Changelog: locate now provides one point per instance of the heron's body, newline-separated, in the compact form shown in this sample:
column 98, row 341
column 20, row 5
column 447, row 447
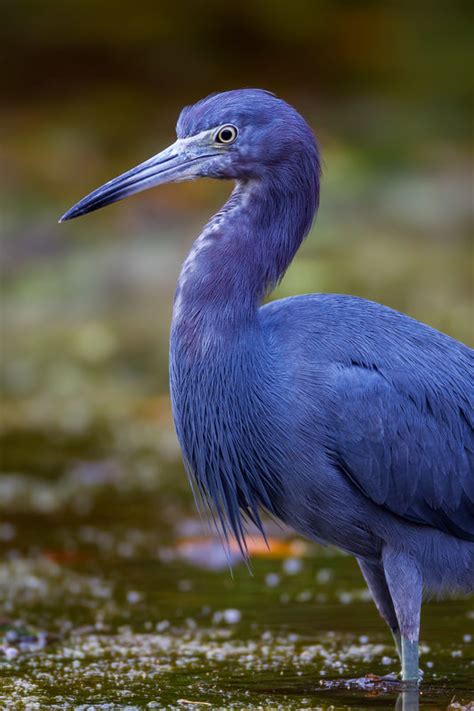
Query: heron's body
column 347, row 420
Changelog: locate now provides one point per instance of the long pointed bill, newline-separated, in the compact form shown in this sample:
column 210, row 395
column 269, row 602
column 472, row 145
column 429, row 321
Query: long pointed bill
column 181, row 161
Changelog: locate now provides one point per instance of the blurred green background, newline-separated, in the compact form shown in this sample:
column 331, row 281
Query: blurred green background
column 91, row 88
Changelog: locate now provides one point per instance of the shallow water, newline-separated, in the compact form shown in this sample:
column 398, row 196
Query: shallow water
column 114, row 595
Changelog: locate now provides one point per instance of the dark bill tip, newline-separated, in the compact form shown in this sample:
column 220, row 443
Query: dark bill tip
column 69, row 215
column 113, row 191
column 168, row 166
column 85, row 206
column 163, row 167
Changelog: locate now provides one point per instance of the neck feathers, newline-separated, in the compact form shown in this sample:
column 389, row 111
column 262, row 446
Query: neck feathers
column 219, row 359
column 246, row 248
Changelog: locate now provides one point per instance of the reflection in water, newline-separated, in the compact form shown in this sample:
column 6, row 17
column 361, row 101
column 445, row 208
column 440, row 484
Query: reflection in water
column 408, row 700
column 407, row 696
column 110, row 590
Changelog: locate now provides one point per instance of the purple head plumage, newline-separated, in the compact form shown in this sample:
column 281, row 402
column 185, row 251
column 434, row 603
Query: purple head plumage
column 239, row 135
column 264, row 132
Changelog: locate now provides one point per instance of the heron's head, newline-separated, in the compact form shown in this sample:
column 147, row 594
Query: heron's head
column 242, row 134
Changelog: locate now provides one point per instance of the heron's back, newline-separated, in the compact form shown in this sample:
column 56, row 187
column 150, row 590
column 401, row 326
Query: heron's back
column 391, row 400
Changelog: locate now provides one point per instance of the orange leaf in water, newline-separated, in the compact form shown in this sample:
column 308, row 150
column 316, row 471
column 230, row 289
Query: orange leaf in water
column 65, row 557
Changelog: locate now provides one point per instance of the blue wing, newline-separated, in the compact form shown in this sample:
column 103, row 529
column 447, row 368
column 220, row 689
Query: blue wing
column 412, row 455
column 395, row 398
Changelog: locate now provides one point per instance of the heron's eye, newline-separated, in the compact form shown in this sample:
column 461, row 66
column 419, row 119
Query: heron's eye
column 226, row 134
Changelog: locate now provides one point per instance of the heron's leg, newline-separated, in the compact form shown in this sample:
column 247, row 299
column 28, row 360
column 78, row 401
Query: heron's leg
column 408, row 700
column 405, row 584
column 397, row 638
column 375, row 578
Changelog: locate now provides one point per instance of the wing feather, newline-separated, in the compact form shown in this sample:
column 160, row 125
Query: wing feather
column 413, row 459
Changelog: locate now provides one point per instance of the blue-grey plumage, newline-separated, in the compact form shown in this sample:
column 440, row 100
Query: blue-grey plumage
column 349, row 421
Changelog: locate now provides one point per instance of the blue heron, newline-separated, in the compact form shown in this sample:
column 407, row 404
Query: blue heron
column 349, row 421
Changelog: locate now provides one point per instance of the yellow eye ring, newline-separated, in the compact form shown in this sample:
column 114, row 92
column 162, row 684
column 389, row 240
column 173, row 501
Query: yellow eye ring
column 226, row 135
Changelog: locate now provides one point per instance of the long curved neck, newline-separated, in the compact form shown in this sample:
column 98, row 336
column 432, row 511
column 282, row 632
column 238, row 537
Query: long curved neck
column 219, row 362
column 244, row 250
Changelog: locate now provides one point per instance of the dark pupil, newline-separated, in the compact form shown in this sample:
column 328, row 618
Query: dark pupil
column 226, row 135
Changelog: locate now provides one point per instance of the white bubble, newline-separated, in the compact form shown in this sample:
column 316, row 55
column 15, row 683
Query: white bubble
column 231, row 616
column 272, row 580
column 323, row 576
column 292, row 566
column 133, row 597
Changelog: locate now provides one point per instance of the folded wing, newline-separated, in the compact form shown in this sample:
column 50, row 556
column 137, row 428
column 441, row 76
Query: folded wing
column 413, row 455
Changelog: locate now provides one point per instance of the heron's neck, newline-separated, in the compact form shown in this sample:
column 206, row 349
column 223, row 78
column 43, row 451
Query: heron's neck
column 244, row 251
